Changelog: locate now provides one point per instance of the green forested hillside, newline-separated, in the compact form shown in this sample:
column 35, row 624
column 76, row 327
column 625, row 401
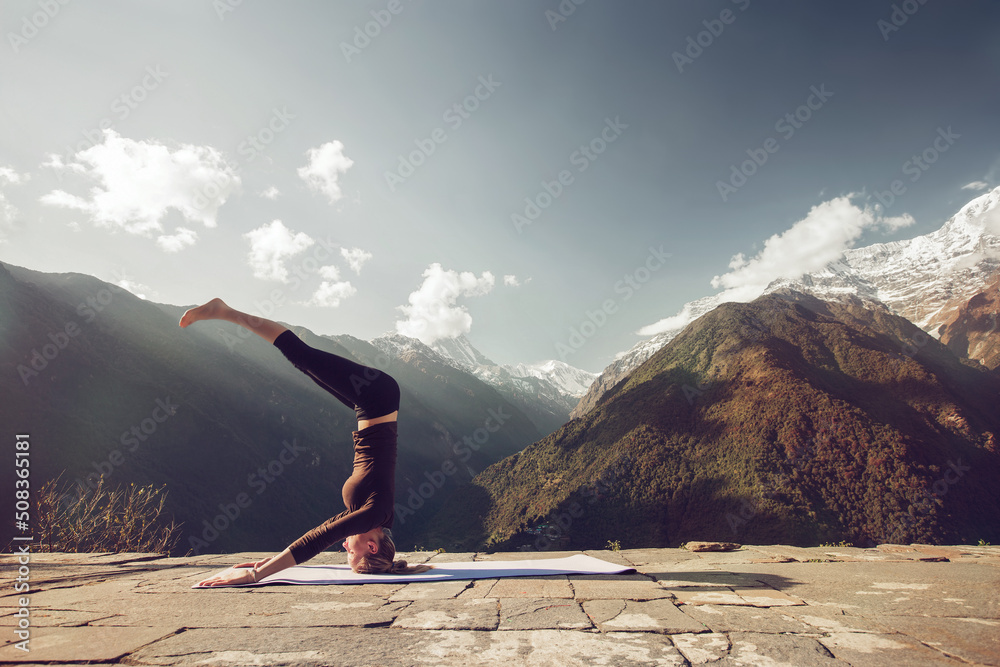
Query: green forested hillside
column 784, row 420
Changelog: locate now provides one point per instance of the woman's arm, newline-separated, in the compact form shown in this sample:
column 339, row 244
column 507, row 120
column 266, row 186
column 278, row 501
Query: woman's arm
column 330, row 532
column 248, row 573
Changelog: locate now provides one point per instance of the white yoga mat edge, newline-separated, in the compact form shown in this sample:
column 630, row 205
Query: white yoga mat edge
column 323, row 575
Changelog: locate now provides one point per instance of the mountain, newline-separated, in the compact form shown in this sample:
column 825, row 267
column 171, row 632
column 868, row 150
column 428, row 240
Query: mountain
column 786, row 420
column 619, row 369
column 545, row 392
column 919, row 279
column 461, row 351
column 251, row 451
column 972, row 331
column 568, row 379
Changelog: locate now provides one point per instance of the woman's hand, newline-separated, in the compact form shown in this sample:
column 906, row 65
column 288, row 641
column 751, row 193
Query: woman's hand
column 239, row 574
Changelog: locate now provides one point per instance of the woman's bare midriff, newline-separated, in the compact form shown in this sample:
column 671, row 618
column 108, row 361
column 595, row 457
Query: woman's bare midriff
column 365, row 423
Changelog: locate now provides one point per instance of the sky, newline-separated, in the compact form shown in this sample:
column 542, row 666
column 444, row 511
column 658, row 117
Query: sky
column 553, row 180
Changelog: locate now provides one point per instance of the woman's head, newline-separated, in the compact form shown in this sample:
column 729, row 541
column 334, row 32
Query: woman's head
column 377, row 555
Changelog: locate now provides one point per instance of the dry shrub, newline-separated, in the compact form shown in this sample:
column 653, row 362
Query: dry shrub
column 121, row 520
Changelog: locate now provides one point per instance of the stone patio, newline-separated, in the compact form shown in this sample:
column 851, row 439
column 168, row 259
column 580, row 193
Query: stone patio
column 760, row 605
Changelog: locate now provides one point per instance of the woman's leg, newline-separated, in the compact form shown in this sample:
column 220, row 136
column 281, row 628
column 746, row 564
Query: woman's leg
column 370, row 392
column 216, row 309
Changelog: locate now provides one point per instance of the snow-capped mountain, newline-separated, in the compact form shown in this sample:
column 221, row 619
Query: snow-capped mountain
column 919, row 279
column 396, row 345
column 565, row 379
column 461, row 351
column 569, row 379
column 547, row 391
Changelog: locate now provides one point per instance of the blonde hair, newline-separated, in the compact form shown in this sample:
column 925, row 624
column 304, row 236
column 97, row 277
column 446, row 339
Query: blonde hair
column 383, row 563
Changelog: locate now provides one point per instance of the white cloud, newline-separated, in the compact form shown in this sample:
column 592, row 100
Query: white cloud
column 332, row 290
column 976, row 185
column 270, row 246
column 140, row 181
column 513, row 281
column 326, row 164
column 808, row 245
column 180, row 239
column 433, row 312
column 992, row 176
column 329, row 295
column 9, row 176
column 356, row 257
column 135, row 288
column 270, row 193
column 672, row 323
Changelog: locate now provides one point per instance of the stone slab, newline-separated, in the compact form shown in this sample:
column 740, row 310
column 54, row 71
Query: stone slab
column 851, row 555
column 254, row 610
column 767, row 597
column 437, row 614
column 555, row 586
column 695, row 564
column 52, row 617
column 92, row 596
column 694, row 595
column 912, row 552
column 727, row 618
column 542, row 614
column 875, row 650
column 707, row 580
column 874, row 588
column 347, row 611
column 833, row 620
column 646, row 616
column 723, row 558
column 615, row 557
column 615, row 586
column 639, row 557
column 969, row 639
column 479, row 588
column 751, row 648
column 393, row 647
column 431, row 590
column 799, row 554
column 712, row 546
column 94, row 644
column 703, row 648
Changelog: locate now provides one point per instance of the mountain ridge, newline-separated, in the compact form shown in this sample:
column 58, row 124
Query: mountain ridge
column 547, row 392
column 788, row 419
column 916, row 278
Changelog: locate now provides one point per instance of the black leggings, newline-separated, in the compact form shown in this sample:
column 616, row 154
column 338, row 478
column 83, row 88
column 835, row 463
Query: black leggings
column 371, row 392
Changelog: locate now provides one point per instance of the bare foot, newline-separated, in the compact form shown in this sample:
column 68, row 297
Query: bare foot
column 209, row 311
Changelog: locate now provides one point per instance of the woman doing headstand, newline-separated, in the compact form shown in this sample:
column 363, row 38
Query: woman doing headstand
column 369, row 491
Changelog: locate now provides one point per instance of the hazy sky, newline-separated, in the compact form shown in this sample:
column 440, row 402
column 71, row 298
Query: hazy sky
column 511, row 170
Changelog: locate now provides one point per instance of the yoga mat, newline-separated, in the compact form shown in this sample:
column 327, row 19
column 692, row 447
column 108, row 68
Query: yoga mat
column 484, row 569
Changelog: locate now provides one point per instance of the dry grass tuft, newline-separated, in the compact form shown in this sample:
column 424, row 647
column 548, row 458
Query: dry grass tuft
column 122, row 520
